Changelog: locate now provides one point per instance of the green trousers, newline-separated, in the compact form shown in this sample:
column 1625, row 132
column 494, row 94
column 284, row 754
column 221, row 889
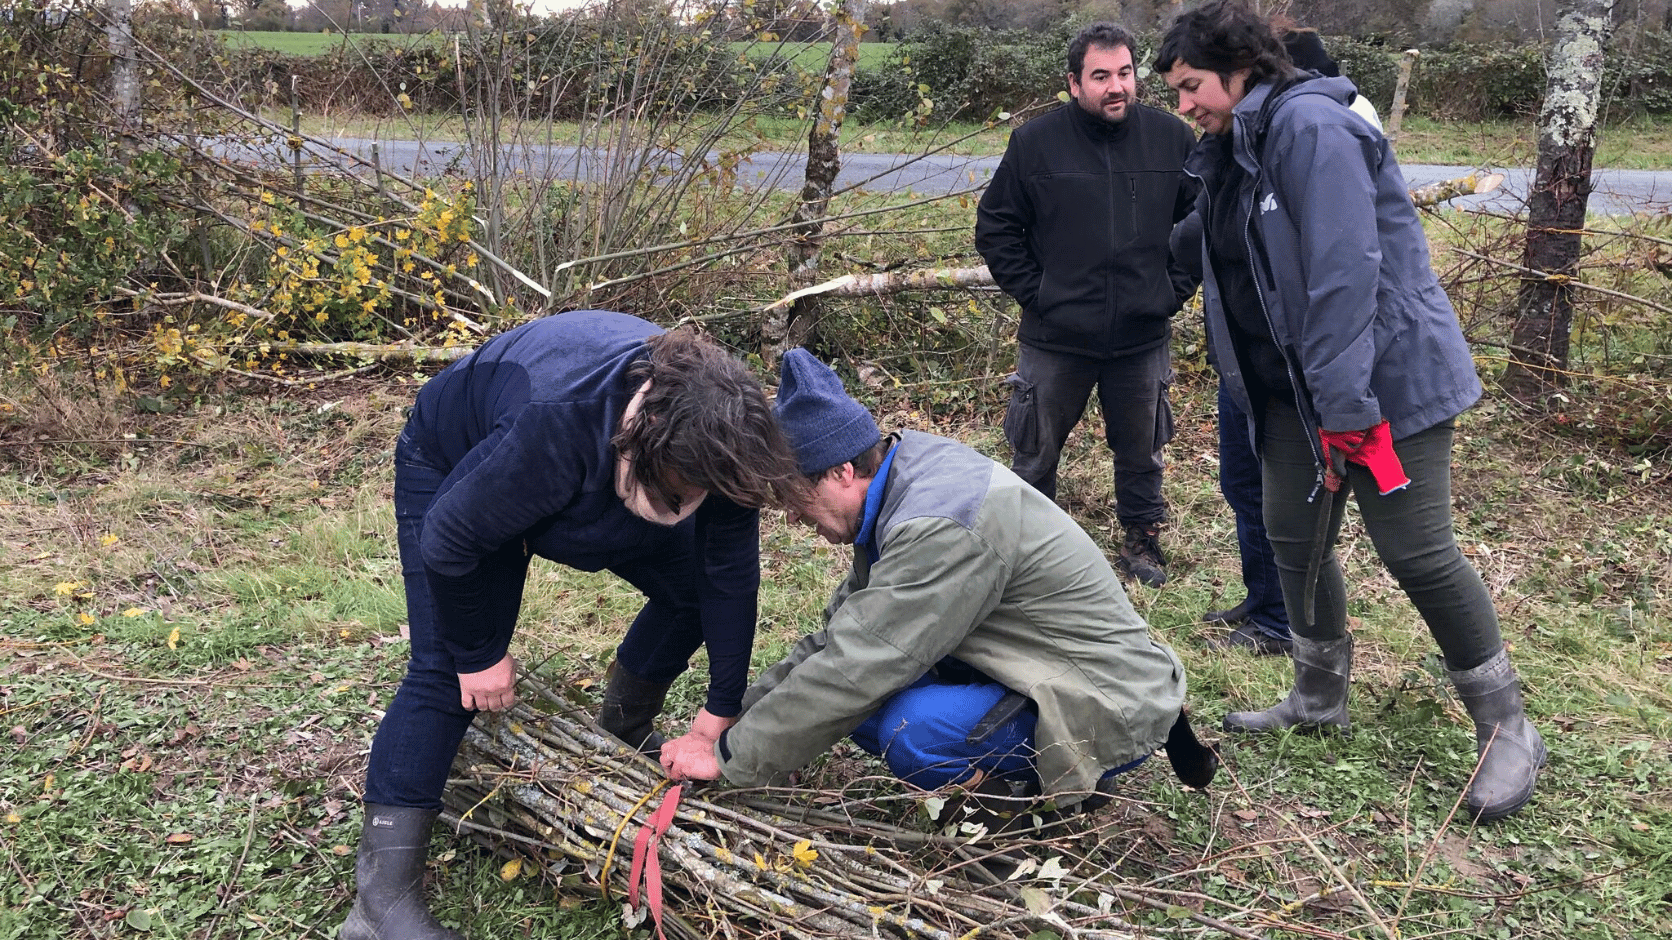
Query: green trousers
column 1410, row 528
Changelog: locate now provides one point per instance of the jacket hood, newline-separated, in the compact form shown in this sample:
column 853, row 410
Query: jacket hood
column 1253, row 114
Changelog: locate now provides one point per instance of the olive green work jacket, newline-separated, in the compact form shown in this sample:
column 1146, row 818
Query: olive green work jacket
column 966, row 560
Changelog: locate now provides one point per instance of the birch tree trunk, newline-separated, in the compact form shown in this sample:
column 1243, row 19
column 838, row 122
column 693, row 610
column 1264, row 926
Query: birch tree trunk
column 795, row 325
column 1556, row 209
column 124, row 67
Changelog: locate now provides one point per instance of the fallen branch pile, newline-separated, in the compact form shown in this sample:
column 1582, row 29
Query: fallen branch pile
column 541, row 784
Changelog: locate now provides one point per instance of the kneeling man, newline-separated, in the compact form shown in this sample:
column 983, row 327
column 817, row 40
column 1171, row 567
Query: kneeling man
column 981, row 634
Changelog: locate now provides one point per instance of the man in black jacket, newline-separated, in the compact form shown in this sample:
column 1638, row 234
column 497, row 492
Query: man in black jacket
column 1075, row 226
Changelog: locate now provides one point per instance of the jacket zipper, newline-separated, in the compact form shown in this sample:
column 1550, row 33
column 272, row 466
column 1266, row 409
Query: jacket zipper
column 1110, row 315
column 1271, row 329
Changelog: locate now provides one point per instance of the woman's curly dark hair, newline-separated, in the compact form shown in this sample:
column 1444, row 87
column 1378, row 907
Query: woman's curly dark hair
column 1224, row 37
column 706, row 422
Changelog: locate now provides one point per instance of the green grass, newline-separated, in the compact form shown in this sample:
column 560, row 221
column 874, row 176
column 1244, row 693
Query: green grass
column 1643, row 143
column 196, row 636
column 315, row 43
column 812, row 56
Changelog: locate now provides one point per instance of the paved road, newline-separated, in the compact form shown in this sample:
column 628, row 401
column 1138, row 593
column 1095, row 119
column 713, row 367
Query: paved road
column 1617, row 191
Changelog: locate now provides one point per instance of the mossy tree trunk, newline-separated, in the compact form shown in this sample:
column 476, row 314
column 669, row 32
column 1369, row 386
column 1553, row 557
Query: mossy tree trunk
column 1560, row 194
column 796, row 325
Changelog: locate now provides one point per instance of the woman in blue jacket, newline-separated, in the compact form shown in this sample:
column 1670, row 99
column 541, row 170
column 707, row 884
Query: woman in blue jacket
column 1334, row 336
column 598, row 441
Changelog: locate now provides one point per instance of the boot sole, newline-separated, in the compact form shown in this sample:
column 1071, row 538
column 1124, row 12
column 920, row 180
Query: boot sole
column 1318, row 729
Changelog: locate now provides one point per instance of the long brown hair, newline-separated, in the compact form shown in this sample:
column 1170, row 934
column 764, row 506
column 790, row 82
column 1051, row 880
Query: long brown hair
column 705, row 421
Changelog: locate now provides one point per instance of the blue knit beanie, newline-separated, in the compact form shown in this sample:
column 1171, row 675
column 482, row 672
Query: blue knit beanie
column 824, row 426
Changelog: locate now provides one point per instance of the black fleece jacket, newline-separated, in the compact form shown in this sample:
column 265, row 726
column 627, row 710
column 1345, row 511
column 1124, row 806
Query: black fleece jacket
column 1075, row 227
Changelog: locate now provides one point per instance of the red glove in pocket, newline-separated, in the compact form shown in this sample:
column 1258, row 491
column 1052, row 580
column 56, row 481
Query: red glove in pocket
column 1344, row 443
column 1376, row 453
column 1372, row 449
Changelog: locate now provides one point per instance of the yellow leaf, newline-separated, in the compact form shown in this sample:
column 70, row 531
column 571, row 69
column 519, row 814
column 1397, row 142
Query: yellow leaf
column 511, row 870
column 66, row 588
column 179, row 838
column 760, row 861
column 804, row 853
column 133, row 612
column 174, row 638
column 46, row 785
column 85, row 618
column 108, row 539
column 13, row 818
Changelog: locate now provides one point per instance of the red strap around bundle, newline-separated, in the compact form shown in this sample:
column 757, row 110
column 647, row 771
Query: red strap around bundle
column 646, row 847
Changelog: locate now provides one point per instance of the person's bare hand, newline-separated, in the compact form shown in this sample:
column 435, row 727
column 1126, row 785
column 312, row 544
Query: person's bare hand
column 690, row 757
column 492, row 689
column 709, row 725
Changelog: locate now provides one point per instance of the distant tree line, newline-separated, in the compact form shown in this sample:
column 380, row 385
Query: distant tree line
column 1425, row 22
column 1402, row 22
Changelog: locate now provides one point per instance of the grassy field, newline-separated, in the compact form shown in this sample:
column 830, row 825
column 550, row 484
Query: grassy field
column 200, row 620
column 315, row 43
column 812, row 56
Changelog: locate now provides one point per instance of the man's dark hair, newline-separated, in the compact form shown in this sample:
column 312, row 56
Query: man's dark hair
column 865, row 463
column 1224, row 37
column 705, row 421
column 1101, row 35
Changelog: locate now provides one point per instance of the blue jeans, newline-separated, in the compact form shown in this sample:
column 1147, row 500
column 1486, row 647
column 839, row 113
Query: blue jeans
column 1239, row 480
column 420, row 734
column 923, row 730
column 1048, row 396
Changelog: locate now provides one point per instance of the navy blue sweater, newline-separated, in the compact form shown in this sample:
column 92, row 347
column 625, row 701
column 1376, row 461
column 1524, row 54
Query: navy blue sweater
column 523, row 426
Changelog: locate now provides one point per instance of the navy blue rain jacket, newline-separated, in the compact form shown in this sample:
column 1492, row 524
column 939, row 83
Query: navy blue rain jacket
column 525, row 424
column 1341, row 264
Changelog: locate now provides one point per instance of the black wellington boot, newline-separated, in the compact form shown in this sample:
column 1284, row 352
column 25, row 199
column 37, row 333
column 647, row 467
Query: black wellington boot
column 630, row 708
column 1318, row 700
column 1509, row 747
column 389, row 878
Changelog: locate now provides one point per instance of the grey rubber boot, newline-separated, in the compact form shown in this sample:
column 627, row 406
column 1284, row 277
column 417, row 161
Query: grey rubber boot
column 1510, row 748
column 630, row 708
column 1318, row 701
column 389, row 878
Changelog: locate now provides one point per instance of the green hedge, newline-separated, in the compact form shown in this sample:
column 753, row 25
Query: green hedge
column 560, row 69
column 971, row 73
column 564, row 68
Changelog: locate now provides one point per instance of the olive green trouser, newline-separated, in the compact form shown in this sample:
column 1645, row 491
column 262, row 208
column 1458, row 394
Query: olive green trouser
column 1410, row 528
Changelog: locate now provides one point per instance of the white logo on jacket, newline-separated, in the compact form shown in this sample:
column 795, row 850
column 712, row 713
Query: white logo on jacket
column 1269, row 203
